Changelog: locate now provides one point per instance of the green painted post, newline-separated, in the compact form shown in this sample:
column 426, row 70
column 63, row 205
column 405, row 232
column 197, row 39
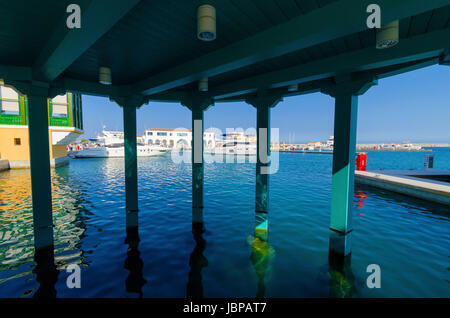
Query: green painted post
column 345, row 120
column 197, row 156
column 345, row 92
column 80, row 109
column 263, row 101
column 262, row 177
column 131, row 178
column 262, row 155
column 197, row 103
column 41, row 191
column 129, row 105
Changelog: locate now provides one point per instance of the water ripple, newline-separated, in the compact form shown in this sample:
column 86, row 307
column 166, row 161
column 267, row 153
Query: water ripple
column 408, row 238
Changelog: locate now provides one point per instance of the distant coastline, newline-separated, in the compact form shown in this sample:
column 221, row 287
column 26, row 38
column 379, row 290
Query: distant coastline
column 421, row 145
column 371, row 145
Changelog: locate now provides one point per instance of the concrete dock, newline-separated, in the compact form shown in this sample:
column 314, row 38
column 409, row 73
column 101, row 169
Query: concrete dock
column 431, row 185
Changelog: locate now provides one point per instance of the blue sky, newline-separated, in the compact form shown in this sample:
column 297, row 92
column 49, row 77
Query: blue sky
column 409, row 107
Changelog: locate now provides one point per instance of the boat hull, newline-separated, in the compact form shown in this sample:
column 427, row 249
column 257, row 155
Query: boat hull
column 106, row 152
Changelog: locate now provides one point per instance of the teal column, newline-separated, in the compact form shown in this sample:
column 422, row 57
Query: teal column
column 131, row 177
column 197, row 157
column 129, row 105
column 263, row 101
column 197, row 103
column 345, row 119
column 41, row 191
column 79, row 114
column 262, row 173
column 262, row 158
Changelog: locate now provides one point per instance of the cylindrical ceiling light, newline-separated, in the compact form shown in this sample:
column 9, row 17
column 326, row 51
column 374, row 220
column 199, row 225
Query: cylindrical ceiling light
column 203, row 85
column 104, row 75
column 206, row 22
column 388, row 36
column 293, row 88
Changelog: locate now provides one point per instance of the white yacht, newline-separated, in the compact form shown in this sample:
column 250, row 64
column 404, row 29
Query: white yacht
column 408, row 146
column 112, row 146
column 235, row 148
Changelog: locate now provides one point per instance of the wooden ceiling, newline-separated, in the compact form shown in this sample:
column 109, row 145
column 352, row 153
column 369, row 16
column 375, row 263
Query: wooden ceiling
column 151, row 45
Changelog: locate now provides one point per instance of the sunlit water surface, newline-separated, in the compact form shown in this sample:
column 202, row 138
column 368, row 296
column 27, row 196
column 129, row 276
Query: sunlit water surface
column 407, row 238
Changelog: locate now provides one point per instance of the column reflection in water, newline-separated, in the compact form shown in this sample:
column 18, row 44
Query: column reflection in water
column 46, row 273
column 134, row 263
column 197, row 261
column 262, row 253
column 342, row 280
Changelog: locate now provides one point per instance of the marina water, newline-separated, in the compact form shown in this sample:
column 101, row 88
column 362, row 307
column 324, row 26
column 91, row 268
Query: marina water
column 408, row 238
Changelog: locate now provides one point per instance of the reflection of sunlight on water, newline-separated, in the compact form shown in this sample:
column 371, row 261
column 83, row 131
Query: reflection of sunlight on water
column 16, row 223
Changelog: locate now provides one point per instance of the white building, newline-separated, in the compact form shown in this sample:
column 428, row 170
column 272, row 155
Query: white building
column 176, row 138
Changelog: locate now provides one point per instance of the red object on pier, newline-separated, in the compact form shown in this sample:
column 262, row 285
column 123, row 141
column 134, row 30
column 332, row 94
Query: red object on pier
column 361, row 162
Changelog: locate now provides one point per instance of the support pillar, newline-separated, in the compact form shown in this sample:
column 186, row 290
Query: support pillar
column 197, row 157
column 262, row 177
column 129, row 105
column 41, row 190
column 197, row 103
column 131, row 177
column 262, row 158
column 263, row 101
column 345, row 119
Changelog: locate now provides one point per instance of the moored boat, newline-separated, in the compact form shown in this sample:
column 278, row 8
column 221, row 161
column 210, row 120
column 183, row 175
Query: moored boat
column 112, row 146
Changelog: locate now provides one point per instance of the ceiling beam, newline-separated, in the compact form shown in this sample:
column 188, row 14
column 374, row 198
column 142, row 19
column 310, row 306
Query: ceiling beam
column 445, row 58
column 13, row 73
column 110, row 91
column 169, row 96
column 420, row 47
column 66, row 45
column 84, row 87
column 303, row 88
column 398, row 69
column 332, row 21
column 317, row 86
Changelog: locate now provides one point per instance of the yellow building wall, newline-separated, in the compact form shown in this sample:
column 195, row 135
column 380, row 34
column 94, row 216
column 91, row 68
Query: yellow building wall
column 22, row 152
column 7, row 148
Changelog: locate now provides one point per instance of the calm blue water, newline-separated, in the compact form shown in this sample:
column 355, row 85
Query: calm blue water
column 408, row 238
